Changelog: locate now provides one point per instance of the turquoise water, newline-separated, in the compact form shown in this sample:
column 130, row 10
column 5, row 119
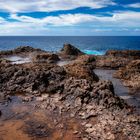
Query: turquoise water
column 97, row 45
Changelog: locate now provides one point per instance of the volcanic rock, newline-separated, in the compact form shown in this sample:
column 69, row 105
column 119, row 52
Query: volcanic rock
column 81, row 71
column 68, row 49
column 29, row 77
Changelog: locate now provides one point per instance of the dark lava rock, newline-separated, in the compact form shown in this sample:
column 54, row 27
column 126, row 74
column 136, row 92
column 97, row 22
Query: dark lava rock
column 130, row 75
column 68, row 49
column 101, row 93
column 29, row 77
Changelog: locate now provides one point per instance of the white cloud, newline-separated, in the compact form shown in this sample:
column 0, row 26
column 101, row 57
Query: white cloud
column 128, row 18
column 135, row 5
column 26, row 25
column 61, row 20
column 15, row 6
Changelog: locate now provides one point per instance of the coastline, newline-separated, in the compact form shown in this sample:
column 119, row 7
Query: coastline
column 82, row 104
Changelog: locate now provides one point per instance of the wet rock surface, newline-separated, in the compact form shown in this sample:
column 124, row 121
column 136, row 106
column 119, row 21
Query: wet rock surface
column 41, row 100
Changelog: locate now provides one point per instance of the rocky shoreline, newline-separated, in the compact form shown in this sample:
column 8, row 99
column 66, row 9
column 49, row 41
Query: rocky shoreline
column 76, row 103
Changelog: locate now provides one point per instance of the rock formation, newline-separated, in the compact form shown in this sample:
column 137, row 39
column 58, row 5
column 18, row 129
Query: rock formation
column 130, row 75
column 68, row 49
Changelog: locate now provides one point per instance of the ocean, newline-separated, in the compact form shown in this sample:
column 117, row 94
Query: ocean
column 97, row 45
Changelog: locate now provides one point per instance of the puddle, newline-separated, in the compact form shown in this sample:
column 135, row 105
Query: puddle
column 18, row 59
column 62, row 63
column 119, row 89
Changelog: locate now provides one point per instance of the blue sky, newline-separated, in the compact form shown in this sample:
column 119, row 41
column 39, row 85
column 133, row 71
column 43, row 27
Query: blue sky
column 69, row 17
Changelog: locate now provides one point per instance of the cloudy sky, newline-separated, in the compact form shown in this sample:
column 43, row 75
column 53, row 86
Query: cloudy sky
column 69, row 17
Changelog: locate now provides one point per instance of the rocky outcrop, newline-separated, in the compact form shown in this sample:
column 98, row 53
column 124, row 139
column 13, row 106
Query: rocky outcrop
column 111, row 62
column 46, row 57
column 22, row 50
column 68, row 49
column 130, row 75
column 73, row 92
column 100, row 93
column 81, row 71
column 135, row 54
column 114, row 59
column 29, row 77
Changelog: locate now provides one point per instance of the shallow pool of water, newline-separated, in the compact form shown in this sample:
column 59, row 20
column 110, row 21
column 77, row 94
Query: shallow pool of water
column 119, row 89
column 18, row 59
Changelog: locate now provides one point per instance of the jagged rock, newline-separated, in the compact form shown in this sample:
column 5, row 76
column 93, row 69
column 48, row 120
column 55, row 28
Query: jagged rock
column 30, row 77
column 81, row 71
column 68, row 49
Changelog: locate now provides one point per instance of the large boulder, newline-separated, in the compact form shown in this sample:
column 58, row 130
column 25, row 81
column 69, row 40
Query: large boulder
column 68, row 49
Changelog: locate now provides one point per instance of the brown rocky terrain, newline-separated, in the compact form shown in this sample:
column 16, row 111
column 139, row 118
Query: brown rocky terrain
column 41, row 100
column 130, row 75
column 23, row 50
column 114, row 59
